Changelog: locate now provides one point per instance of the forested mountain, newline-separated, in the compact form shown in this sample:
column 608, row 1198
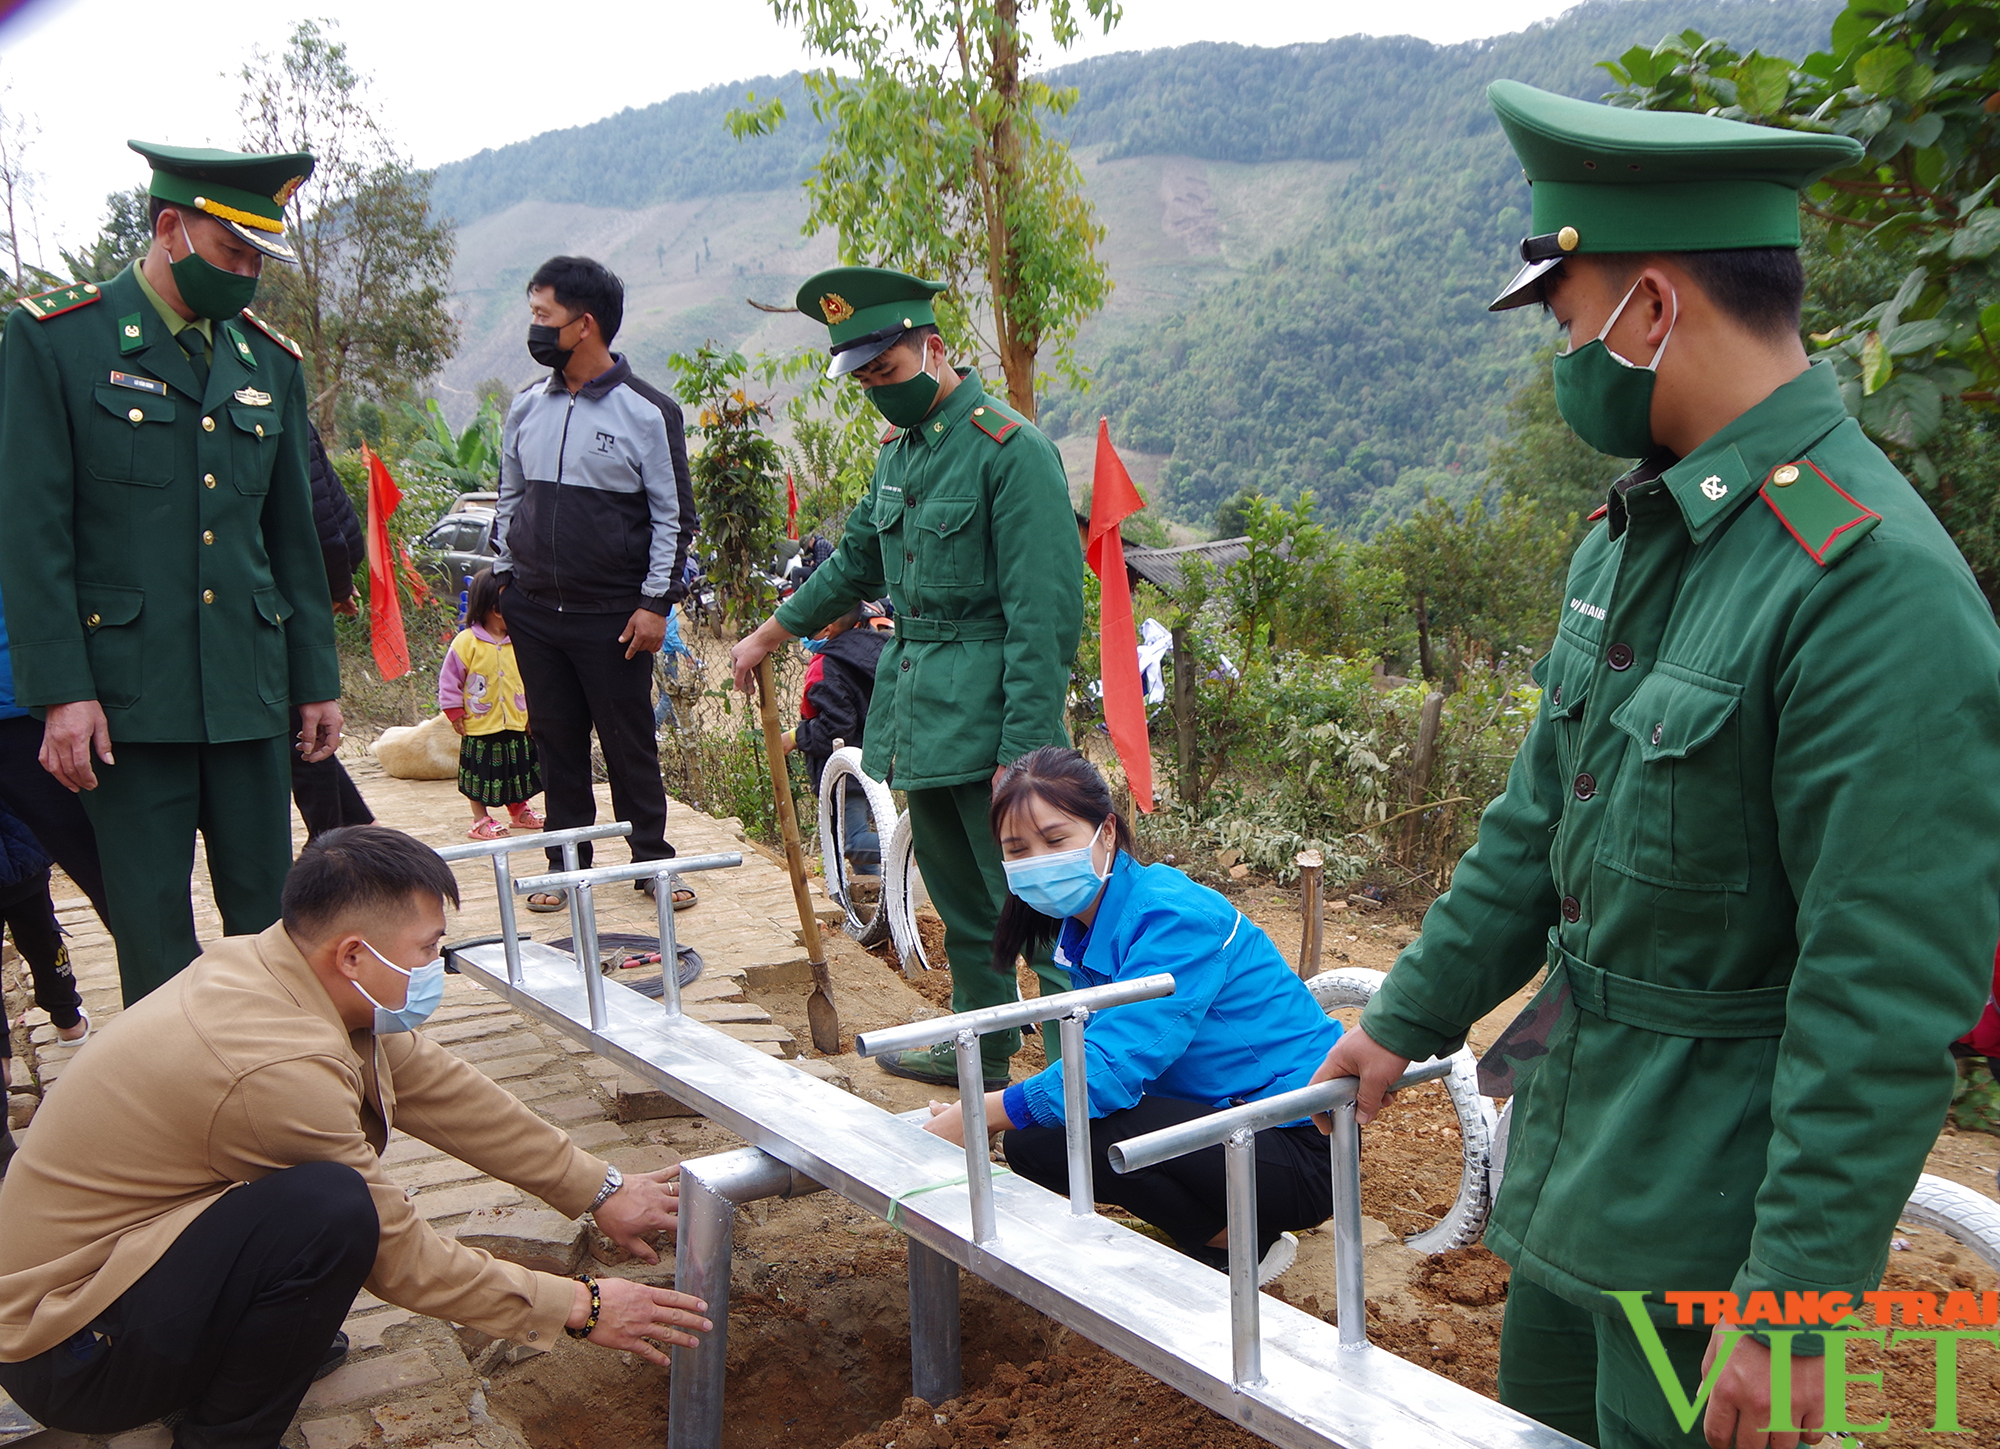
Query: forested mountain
column 1304, row 240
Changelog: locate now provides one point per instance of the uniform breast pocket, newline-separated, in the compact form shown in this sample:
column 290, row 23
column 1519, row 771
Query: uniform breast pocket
column 889, row 532
column 130, row 437
column 1565, row 677
column 253, row 447
column 1674, row 816
column 953, row 534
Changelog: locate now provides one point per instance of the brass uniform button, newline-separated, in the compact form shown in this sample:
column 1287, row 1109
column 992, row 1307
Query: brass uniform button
column 208, row 596
column 979, row 412
column 260, row 430
column 94, row 620
column 208, row 480
column 207, row 535
column 1567, row 239
column 1786, row 476
column 136, row 416
column 208, row 425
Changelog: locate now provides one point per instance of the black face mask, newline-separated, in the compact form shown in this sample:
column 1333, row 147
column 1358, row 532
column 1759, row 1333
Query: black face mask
column 545, row 345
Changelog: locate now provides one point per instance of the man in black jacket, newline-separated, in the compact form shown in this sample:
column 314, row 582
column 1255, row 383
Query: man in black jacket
column 325, row 795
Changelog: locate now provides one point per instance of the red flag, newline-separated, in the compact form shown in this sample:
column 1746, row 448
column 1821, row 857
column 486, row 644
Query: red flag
column 791, row 508
column 1112, row 500
column 385, row 609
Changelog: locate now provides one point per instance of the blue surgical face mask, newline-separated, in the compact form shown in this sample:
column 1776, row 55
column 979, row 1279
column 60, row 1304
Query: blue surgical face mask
column 813, row 646
column 1060, row 883
column 425, row 991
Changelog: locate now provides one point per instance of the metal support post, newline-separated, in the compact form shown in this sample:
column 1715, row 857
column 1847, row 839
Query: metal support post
column 1076, row 1114
column 670, row 951
column 710, row 1190
column 1245, row 1344
column 583, row 907
column 1349, row 1281
column 978, row 1151
column 569, row 860
column 510, row 930
column 935, row 1371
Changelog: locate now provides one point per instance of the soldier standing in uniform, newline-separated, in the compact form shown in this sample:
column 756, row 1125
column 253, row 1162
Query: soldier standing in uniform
column 165, row 593
column 1751, row 831
column 968, row 527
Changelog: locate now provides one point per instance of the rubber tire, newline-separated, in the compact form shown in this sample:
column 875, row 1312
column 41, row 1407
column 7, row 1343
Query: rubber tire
column 901, row 887
column 1465, row 1222
column 1958, row 1212
column 845, row 764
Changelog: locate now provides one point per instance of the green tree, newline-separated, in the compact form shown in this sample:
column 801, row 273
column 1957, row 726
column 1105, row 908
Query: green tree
column 469, row 460
column 1917, row 83
column 368, row 301
column 1478, row 583
column 937, row 161
column 736, row 480
column 124, row 236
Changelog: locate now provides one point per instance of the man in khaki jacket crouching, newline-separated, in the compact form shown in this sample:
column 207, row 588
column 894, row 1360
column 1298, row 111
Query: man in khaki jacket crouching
column 201, row 1196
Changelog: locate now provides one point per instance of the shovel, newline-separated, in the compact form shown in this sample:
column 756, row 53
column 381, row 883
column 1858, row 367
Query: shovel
column 820, row 1010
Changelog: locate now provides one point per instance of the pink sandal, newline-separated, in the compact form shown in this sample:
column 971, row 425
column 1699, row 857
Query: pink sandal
column 529, row 819
column 486, row 829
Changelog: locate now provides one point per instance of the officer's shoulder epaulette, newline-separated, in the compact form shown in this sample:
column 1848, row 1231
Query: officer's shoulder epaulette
column 273, row 333
column 998, row 421
column 1824, row 518
column 1598, row 512
column 891, row 435
column 58, row 300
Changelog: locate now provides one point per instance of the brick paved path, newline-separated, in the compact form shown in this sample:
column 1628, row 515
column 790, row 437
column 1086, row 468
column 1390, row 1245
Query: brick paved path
column 412, row 1380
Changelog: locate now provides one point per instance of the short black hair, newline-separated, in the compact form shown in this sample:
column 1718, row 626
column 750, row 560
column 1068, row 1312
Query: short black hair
column 582, row 285
column 156, row 205
column 917, row 337
column 358, row 868
column 1763, row 288
column 482, row 597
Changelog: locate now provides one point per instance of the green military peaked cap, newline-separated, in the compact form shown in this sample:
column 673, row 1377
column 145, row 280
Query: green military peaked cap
column 865, row 310
column 1606, row 179
column 244, row 191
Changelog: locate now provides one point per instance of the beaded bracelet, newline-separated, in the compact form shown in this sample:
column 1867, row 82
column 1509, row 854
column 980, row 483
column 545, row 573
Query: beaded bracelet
column 596, row 1307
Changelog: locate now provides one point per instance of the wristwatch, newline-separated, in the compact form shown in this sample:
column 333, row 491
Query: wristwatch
column 613, row 1180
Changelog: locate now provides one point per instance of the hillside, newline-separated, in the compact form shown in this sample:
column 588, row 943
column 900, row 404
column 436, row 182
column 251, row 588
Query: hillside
column 1304, row 240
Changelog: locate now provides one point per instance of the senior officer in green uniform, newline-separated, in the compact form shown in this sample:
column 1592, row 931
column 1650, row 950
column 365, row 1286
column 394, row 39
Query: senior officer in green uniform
column 164, row 587
column 1753, row 829
column 968, row 523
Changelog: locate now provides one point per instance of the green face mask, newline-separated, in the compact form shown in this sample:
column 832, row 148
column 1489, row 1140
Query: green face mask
column 209, row 290
column 906, row 403
column 1607, row 401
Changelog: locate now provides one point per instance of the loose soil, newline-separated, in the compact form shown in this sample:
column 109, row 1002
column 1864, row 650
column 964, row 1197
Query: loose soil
column 819, row 1332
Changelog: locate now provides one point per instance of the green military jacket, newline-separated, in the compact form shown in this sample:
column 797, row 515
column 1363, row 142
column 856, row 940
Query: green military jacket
column 969, row 527
column 1755, row 830
column 157, row 548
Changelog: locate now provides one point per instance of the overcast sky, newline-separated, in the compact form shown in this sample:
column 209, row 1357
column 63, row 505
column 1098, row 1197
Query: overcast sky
column 453, row 77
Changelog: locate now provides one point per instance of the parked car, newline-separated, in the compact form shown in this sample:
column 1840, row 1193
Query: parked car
column 459, row 544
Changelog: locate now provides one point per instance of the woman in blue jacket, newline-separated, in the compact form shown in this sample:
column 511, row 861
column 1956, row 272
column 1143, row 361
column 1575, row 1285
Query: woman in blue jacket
column 1239, row 1027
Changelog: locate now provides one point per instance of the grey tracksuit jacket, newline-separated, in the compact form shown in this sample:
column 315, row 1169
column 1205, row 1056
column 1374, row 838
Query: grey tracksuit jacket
column 596, row 507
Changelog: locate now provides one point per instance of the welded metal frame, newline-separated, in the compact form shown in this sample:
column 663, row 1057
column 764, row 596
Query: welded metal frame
column 1236, row 1129
column 1132, row 1295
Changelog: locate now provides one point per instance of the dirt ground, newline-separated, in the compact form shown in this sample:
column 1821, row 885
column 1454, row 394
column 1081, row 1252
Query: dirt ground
column 818, row 1351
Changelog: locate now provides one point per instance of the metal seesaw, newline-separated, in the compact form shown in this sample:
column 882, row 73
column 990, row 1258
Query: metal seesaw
column 1308, row 1387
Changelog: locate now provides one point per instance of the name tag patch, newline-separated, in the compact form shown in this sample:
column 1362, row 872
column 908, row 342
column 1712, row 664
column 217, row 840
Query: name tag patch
column 141, row 384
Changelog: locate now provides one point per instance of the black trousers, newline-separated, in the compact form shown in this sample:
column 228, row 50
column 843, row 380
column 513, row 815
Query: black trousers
column 46, row 807
column 30, row 918
column 1186, row 1197
column 227, row 1327
column 577, row 677
column 323, row 790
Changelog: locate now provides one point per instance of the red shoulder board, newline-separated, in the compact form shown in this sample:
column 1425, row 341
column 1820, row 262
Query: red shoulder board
column 994, row 423
column 892, row 435
column 273, row 333
column 58, row 300
column 1823, row 517
column 1599, row 512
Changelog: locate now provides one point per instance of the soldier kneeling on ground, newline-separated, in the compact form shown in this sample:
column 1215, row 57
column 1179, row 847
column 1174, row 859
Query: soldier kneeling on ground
column 190, row 1218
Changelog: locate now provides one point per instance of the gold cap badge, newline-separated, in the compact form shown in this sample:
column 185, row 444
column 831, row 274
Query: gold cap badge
column 284, row 193
column 835, row 308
